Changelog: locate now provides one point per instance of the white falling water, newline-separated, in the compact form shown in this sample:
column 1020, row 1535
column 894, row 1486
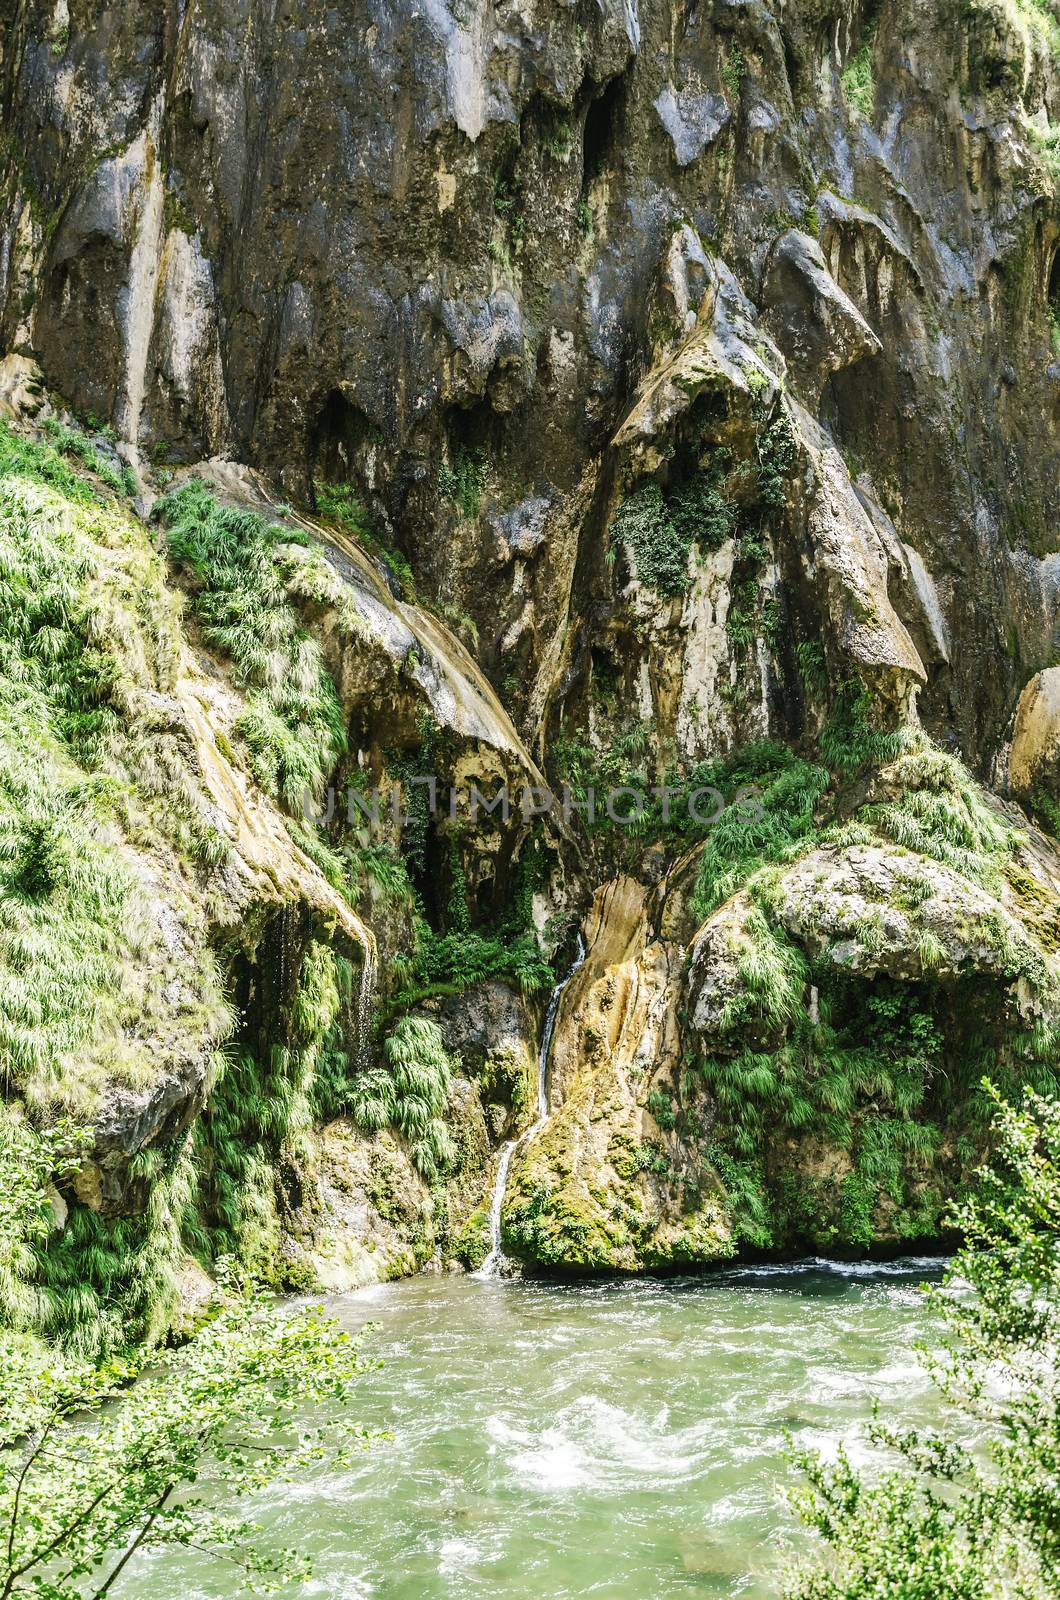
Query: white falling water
column 365, row 997
column 494, row 1262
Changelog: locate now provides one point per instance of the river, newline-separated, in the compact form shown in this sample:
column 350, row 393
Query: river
column 620, row 1440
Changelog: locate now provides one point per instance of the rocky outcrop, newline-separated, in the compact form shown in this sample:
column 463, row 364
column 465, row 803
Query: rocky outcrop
column 1034, row 758
column 215, row 214
column 605, row 1186
column 640, row 407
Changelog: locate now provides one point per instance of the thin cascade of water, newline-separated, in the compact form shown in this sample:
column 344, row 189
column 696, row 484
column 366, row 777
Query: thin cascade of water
column 365, row 997
column 495, row 1260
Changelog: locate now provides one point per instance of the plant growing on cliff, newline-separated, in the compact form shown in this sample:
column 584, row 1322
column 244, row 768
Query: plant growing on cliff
column 946, row 1519
column 660, row 530
column 410, row 1090
column 781, row 824
column 858, row 82
column 462, row 479
column 84, row 638
column 293, row 725
column 93, row 1473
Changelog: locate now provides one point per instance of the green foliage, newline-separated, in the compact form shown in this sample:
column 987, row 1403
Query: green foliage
column 39, row 864
column 1042, row 18
column 858, row 82
column 263, row 1106
column 452, row 960
column 810, row 656
column 660, row 530
column 463, row 478
column 293, row 725
column 101, row 1286
column 340, row 503
column 734, row 70
column 86, row 641
column 73, row 443
column 777, row 457
column 773, row 827
column 850, row 740
column 940, row 812
column 410, row 1090
column 92, row 1474
column 971, row 1508
column 661, row 1106
column 859, row 1075
column 448, row 963
column 744, row 1192
column 31, row 1161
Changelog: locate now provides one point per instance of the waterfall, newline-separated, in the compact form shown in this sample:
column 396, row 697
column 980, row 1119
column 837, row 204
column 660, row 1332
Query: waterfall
column 365, row 997
column 494, row 1262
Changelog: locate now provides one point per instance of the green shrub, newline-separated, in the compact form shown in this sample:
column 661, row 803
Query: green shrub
column 660, row 530
column 777, row 825
column 72, row 442
column 340, row 502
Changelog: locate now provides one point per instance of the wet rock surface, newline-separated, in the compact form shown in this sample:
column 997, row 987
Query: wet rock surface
column 633, row 394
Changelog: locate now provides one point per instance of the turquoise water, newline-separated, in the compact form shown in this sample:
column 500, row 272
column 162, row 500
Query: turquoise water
column 617, row 1440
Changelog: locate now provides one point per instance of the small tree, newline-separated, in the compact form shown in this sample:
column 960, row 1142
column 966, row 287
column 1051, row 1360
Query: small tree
column 98, row 1466
column 971, row 1509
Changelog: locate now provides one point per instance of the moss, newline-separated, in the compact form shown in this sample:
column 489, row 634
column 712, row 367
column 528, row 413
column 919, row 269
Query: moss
column 472, row 1244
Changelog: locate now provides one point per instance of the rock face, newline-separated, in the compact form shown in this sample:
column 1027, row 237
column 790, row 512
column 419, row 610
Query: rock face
column 641, row 406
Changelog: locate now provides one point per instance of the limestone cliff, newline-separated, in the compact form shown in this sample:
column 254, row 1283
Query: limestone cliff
column 601, row 395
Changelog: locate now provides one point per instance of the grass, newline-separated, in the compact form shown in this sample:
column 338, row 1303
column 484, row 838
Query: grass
column 940, row 812
column 788, row 791
column 268, row 1096
column 857, row 79
column 409, row 1090
column 78, row 446
column 293, row 725
column 87, row 638
column 340, row 503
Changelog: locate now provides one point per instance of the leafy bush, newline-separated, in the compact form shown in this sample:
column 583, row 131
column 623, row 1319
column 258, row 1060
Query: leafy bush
column 661, row 530
column 969, row 1508
column 463, row 479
